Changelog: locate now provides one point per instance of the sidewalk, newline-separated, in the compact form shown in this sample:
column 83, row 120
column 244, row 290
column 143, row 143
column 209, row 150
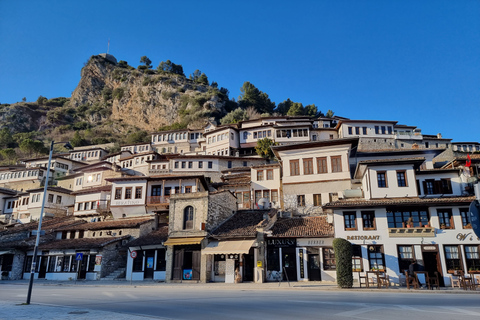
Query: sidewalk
column 310, row 285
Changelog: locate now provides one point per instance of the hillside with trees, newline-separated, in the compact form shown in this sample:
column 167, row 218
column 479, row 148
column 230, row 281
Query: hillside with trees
column 115, row 102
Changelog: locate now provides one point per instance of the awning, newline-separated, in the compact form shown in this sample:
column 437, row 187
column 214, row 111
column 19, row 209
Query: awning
column 183, row 241
column 5, row 252
column 226, row 247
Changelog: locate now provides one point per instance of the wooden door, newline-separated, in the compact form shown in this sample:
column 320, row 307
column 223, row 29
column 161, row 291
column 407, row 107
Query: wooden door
column 196, row 265
column 178, row 265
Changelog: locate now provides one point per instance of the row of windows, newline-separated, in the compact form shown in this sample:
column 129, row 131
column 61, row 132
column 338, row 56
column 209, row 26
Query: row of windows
column 89, row 205
column 453, row 259
column 430, row 186
column 261, row 134
column 88, row 154
column 261, row 174
column 138, row 160
column 135, row 148
column 470, row 147
column 317, row 200
column 21, row 174
column 128, row 193
column 308, row 168
column 51, row 196
column 220, row 137
column 382, row 180
column 157, row 190
column 63, row 263
column 288, row 133
column 170, row 137
column 220, row 152
column 159, row 166
column 270, row 195
column 363, row 130
column 189, row 164
column 406, row 218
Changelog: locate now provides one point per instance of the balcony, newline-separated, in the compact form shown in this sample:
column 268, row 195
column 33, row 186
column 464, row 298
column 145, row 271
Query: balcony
column 425, row 232
column 103, row 206
column 160, row 201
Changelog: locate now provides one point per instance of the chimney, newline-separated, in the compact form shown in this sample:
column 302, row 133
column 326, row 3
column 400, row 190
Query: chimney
column 439, row 135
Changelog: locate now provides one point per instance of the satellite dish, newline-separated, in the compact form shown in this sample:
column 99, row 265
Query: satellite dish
column 263, row 203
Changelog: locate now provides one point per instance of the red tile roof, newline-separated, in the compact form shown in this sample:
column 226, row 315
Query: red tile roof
column 243, row 224
column 156, row 237
column 109, row 224
column 80, row 244
column 302, row 227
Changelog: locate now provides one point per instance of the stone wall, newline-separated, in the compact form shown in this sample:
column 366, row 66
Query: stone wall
column 21, row 185
column 112, row 258
column 221, row 206
column 178, row 203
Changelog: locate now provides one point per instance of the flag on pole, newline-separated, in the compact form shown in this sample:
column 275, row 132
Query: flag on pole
column 468, row 163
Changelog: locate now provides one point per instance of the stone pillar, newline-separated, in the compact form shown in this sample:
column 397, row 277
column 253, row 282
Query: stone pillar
column 169, row 257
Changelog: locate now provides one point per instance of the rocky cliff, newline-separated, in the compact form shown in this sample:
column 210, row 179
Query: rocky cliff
column 144, row 99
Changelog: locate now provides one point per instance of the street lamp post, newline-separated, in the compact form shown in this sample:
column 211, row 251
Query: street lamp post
column 37, row 241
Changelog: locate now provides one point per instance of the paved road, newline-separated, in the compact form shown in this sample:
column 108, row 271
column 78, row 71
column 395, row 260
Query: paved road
column 211, row 302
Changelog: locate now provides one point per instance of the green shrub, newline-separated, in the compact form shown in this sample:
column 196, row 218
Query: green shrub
column 118, row 93
column 106, row 94
column 343, row 258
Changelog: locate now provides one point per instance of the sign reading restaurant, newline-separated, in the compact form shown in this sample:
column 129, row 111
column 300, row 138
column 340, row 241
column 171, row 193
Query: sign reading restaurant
column 372, row 237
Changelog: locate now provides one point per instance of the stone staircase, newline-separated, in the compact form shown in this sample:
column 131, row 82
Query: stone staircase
column 116, row 275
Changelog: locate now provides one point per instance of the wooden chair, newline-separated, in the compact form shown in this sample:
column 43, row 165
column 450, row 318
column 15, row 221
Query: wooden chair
column 410, row 281
column 422, row 278
column 476, row 282
column 455, row 281
column 384, row 280
column 434, row 281
column 363, row 279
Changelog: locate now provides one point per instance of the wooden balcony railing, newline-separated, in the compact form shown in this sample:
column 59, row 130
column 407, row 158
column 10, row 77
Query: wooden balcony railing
column 158, row 200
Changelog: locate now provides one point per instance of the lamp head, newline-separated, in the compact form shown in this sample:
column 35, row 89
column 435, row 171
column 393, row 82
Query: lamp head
column 68, row 146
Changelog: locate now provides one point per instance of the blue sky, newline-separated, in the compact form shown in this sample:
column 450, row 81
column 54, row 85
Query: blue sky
column 416, row 62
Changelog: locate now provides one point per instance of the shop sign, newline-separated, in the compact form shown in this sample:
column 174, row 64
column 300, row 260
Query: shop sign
column 373, row 237
column 429, row 248
column 282, row 242
column 465, row 236
column 302, row 265
column 128, row 202
column 259, row 264
column 315, row 242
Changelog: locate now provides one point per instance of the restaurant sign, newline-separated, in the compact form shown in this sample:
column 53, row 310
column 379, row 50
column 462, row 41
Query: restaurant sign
column 372, row 237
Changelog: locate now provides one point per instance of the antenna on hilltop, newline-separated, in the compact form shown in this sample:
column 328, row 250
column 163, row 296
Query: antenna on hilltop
column 108, row 47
